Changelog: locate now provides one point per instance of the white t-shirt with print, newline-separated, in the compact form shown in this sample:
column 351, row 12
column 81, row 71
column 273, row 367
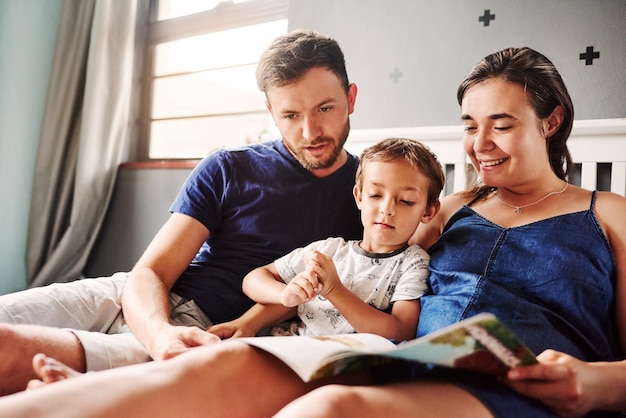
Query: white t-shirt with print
column 377, row 279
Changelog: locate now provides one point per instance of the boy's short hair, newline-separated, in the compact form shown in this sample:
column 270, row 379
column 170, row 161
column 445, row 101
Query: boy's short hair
column 290, row 56
column 416, row 153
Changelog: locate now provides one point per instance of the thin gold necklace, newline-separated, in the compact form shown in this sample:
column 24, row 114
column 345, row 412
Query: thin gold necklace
column 518, row 209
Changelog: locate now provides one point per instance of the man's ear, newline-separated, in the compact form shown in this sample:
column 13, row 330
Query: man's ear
column 358, row 196
column 430, row 212
column 268, row 106
column 352, row 90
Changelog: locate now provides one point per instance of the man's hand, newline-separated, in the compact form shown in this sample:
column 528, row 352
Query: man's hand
column 175, row 340
column 232, row 329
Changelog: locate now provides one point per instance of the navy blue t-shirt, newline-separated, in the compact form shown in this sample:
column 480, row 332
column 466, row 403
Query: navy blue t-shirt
column 258, row 203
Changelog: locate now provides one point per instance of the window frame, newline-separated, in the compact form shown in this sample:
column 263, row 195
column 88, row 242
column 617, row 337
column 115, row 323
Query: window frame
column 224, row 16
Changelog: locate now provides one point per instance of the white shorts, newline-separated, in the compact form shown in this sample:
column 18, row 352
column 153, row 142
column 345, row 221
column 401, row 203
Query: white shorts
column 91, row 309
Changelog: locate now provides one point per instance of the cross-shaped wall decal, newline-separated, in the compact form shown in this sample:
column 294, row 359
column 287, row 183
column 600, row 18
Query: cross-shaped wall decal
column 396, row 75
column 487, row 17
column 589, row 55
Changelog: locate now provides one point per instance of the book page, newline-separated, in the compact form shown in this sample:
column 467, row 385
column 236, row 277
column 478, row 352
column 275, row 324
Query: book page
column 480, row 343
column 305, row 354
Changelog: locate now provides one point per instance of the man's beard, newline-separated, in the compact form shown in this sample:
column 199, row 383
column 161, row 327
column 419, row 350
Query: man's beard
column 315, row 164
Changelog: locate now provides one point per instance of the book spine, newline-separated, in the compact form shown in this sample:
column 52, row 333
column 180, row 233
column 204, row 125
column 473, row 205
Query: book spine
column 505, row 355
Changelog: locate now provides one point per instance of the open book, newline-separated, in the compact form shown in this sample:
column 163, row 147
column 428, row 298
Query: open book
column 480, row 343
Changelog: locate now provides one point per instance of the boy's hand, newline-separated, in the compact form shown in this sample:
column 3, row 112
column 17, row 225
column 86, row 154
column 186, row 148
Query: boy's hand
column 300, row 289
column 323, row 269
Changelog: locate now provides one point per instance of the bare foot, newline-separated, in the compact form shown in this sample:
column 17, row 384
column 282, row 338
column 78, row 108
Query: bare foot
column 49, row 371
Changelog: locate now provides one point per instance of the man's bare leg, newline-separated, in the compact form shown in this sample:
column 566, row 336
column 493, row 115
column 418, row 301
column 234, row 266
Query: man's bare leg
column 20, row 343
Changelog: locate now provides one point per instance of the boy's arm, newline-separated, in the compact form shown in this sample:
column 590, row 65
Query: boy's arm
column 400, row 324
column 263, row 284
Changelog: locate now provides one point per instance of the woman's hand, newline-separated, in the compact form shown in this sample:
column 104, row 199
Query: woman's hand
column 566, row 385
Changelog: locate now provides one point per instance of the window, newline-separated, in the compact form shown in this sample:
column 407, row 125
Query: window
column 201, row 90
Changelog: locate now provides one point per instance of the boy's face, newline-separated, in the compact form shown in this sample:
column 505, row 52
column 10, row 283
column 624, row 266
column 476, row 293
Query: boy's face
column 392, row 203
column 312, row 115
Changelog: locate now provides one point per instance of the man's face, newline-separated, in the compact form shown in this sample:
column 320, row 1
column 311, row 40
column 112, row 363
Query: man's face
column 312, row 115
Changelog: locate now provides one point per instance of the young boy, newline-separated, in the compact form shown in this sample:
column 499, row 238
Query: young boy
column 371, row 285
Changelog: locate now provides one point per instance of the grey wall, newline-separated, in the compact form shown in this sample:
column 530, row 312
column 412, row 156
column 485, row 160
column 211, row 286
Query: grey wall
column 27, row 36
column 435, row 43
column 139, row 207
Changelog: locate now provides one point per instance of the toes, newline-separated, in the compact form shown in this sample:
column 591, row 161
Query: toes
column 51, row 370
column 34, row 384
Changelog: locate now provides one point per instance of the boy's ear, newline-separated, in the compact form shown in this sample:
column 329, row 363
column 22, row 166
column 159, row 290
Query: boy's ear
column 430, row 212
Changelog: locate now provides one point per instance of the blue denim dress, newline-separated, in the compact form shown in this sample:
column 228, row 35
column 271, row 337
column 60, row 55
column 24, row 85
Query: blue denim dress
column 551, row 281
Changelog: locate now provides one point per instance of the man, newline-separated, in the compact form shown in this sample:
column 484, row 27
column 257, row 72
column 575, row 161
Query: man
column 238, row 210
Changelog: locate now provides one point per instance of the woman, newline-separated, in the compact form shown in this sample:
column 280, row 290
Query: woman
column 547, row 257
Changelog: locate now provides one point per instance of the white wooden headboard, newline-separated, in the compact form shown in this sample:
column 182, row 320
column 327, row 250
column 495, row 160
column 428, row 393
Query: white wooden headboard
column 598, row 148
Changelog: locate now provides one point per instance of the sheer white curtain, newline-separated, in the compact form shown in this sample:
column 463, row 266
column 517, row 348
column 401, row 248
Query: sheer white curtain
column 84, row 134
